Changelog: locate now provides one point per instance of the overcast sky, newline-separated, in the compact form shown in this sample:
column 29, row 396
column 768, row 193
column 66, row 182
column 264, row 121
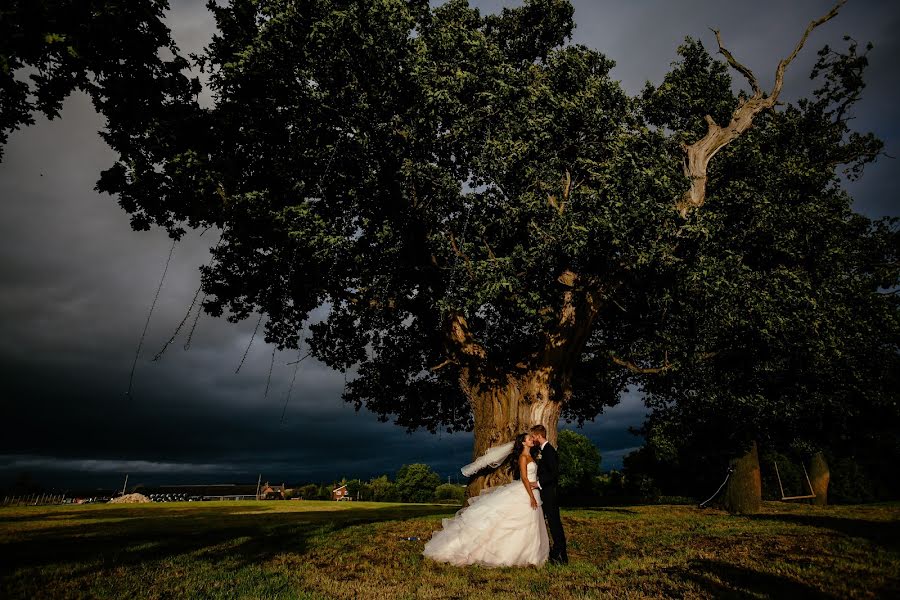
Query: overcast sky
column 77, row 284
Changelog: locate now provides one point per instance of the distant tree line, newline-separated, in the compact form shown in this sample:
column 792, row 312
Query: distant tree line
column 417, row 482
column 413, row 483
column 689, row 476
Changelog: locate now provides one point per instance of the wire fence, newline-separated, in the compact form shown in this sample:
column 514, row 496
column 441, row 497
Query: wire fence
column 48, row 500
column 59, row 499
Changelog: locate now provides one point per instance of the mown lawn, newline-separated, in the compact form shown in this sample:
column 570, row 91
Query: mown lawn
column 315, row 550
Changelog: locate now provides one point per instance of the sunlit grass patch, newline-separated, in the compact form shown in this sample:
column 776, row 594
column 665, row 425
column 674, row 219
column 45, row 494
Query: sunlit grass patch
column 314, row 550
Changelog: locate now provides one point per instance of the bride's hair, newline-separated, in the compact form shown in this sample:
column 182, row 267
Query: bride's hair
column 513, row 462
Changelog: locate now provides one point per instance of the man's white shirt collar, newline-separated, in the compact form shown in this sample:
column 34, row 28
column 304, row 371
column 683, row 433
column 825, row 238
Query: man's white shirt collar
column 544, row 444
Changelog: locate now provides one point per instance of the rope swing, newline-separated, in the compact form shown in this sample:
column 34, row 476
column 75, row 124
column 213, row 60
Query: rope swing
column 727, row 476
column 812, row 492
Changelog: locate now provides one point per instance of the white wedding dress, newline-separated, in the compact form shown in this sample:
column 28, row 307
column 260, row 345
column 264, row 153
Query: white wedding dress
column 497, row 529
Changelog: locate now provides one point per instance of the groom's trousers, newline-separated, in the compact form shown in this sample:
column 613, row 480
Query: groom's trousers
column 550, row 501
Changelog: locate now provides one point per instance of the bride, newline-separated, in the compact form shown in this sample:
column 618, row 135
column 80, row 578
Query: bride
column 504, row 525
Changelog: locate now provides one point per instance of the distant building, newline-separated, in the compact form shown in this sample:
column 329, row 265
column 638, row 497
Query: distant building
column 220, row 491
column 340, row 493
column 272, row 492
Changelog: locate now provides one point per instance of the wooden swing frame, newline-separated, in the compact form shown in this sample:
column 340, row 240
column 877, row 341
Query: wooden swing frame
column 812, row 493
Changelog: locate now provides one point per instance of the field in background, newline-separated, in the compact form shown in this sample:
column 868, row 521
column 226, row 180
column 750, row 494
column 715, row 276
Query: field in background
column 318, row 550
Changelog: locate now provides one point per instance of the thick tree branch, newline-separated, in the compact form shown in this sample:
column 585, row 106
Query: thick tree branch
column 634, row 368
column 463, row 346
column 581, row 303
column 698, row 154
column 567, row 187
column 488, row 247
column 362, row 299
column 462, row 255
column 442, row 365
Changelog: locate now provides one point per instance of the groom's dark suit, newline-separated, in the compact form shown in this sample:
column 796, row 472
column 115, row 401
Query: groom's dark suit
column 548, row 476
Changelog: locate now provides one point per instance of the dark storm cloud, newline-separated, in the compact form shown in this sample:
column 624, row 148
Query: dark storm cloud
column 77, row 284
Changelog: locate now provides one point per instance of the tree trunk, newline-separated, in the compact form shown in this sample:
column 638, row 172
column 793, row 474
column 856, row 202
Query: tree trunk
column 744, row 492
column 505, row 406
column 819, row 476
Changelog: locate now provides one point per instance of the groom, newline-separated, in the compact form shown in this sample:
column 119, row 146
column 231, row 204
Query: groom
column 548, row 480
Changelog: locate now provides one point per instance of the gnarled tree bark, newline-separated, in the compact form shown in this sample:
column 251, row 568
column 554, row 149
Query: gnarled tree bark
column 505, row 404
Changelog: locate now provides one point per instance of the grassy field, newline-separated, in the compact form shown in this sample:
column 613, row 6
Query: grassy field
column 315, row 550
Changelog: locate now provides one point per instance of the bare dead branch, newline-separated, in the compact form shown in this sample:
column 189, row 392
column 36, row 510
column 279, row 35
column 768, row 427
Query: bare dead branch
column 782, row 66
column 746, row 72
column 698, row 154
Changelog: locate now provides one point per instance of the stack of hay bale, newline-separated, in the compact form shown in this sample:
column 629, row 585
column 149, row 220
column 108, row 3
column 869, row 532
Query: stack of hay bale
column 130, row 499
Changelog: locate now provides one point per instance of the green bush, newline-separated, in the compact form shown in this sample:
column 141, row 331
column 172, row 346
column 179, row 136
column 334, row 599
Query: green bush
column 384, row 490
column 309, row 492
column 450, row 493
column 416, row 483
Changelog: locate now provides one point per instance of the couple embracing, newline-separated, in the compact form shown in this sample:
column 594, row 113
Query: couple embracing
column 504, row 526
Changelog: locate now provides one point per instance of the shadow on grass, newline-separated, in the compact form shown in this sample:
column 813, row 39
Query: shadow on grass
column 603, row 509
column 724, row 580
column 238, row 536
column 123, row 511
column 883, row 533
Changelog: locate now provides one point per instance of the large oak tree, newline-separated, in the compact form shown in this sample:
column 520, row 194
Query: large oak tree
column 504, row 236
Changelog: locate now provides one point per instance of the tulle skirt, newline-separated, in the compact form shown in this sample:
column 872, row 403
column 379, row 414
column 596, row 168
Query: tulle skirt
column 498, row 528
